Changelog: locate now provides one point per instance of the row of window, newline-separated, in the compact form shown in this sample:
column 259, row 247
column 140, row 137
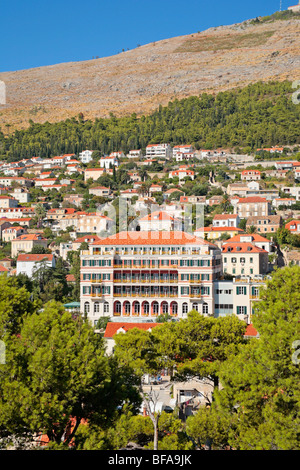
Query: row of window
column 241, row 260
column 185, row 290
column 154, row 263
column 156, row 308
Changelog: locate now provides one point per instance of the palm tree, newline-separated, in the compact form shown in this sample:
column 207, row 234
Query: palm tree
column 251, row 229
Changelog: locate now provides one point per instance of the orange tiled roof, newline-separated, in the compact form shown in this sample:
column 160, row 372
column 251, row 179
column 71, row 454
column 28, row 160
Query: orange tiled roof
column 35, row 257
column 158, row 215
column 225, row 216
column 153, row 238
column 255, row 238
column 251, row 199
column 242, row 247
column 113, row 327
column 250, row 331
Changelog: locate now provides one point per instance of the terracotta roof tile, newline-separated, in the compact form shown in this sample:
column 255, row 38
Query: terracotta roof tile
column 113, row 327
column 153, row 238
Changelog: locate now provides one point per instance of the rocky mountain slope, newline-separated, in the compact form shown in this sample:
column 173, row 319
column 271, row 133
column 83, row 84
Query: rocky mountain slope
column 140, row 80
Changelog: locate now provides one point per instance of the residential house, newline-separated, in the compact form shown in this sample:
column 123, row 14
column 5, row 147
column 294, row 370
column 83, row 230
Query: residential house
column 182, row 173
column 155, row 188
column 4, row 223
column 283, row 201
column 109, row 161
column 25, row 243
column 217, row 233
column 215, row 200
column 254, row 238
column 159, row 220
column 135, row 154
column 94, row 223
column 13, row 232
column 293, row 226
column 8, row 202
column 159, row 151
column 250, row 175
column 252, row 206
column 292, row 191
column 242, row 258
column 22, row 195
column 85, row 156
column 226, row 220
column 101, row 191
column 74, row 199
column 93, row 173
column 29, row 263
column 265, row 224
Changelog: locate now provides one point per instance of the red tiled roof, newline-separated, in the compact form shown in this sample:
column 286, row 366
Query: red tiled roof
column 153, row 238
column 250, row 331
column 158, row 215
column 35, row 257
column 113, row 327
column 225, row 216
column 29, row 236
column 247, row 200
column 88, row 238
column 255, row 238
column 70, row 278
column 244, row 247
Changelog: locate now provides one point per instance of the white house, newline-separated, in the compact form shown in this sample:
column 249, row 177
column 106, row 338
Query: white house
column 28, row 263
column 182, row 149
column 226, row 220
column 85, row 156
column 159, row 220
column 135, row 154
column 159, row 150
column 109, row 161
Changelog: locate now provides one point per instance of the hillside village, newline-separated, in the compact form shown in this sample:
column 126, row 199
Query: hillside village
column 237, row 214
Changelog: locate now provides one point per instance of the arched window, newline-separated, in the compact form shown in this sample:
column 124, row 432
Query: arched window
column 164, row 308
column 127, row 308
column 195, row 306
column 146, row 308
column 86, row 307
column 118, row 307
column 96, row 307
column 185, row 308
column 174, row 308
column 205, row 308
column 136, row 308
column 155, row 308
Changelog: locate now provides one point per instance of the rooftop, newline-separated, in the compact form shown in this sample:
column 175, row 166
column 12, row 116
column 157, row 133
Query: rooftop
column 154, row 238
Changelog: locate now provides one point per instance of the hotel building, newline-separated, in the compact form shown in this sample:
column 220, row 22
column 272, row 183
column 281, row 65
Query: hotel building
column 136, row 276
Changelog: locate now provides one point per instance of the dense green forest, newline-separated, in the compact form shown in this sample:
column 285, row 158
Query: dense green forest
column 261, row 114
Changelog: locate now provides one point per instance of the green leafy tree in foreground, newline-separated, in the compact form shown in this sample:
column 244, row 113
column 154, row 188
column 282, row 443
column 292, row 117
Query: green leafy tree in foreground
column 258, row 407
column 56, row 376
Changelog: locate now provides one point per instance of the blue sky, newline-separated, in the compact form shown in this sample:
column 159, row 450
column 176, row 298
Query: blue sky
column 43, row 32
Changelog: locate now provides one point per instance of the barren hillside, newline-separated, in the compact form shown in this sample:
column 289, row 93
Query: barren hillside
column 141, row 79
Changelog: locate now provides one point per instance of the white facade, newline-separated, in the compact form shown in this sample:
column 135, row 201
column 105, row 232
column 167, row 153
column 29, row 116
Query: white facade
column 27, row 264
column 139, row 275
column 85, row 156
column 159, row 151
column 109, row 162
